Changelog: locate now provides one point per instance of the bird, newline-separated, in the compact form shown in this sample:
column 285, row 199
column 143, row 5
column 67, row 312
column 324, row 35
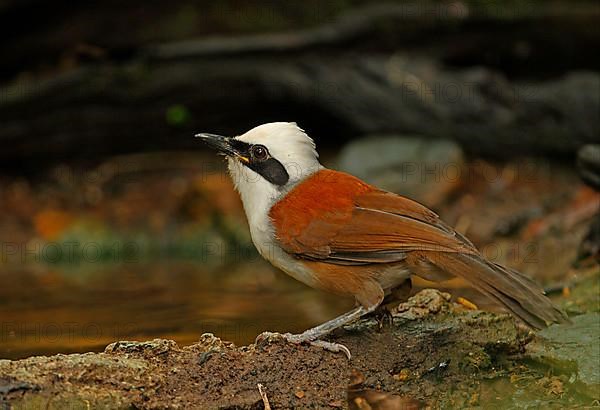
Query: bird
column 334, row 232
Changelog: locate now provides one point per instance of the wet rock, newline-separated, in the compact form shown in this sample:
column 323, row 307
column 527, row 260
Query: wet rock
column 9, row 386
column 209, row 342
column 574, row 350
column 424, row 169
column 74, row 381
column 151, row 348
column 588, row 164
column 423, row 304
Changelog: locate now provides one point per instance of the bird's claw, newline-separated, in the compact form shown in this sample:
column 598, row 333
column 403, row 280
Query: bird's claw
column 332, row 347
column 268, row 337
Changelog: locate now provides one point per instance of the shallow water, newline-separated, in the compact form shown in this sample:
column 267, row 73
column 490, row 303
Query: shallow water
column 79, row 307
column 63, row 309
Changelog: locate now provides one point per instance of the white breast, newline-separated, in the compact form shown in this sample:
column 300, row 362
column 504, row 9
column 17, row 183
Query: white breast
column 267, row 246
column 258, row 196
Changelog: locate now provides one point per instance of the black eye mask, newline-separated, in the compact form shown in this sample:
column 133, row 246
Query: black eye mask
column 270, row 169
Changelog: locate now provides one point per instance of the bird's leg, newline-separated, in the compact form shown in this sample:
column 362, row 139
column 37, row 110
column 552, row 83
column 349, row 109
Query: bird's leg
column 311, row 335
column 329, row 326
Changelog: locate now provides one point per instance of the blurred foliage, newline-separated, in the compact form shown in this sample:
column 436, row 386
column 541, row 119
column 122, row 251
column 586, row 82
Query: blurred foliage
column 234, row 16
column 177, row 114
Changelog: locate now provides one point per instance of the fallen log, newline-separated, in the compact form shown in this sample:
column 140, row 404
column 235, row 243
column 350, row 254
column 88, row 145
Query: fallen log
column 338, row 81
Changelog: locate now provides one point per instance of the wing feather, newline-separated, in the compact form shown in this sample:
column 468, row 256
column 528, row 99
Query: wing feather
column 364, row 225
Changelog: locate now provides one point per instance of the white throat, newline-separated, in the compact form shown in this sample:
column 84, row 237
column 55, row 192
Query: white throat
column 288, row 144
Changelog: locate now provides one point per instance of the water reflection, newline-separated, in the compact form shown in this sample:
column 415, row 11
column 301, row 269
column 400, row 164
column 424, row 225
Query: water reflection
column 47, row 310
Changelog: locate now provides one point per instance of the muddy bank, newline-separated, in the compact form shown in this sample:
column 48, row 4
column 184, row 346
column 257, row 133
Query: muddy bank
column 427, row 352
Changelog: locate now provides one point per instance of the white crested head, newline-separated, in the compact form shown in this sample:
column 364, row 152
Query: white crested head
column 291, row 157
column 288, row 144
column 266, row 163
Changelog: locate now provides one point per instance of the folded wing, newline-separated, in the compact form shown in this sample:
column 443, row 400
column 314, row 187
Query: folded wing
column 350, row 222
column 339, row 219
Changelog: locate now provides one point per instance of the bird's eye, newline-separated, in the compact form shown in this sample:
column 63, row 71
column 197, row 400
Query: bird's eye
column 259, row 152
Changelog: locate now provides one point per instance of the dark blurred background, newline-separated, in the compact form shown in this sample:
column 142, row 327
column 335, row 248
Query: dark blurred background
column 116, row 224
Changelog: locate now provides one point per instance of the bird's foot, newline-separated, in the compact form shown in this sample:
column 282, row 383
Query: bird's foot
column 268, row 337
column 332, row 347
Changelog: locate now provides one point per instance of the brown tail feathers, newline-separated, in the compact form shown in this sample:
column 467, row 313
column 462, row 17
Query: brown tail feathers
column 519, row 294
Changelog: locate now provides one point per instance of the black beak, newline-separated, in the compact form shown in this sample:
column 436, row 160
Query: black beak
column 270, row 169
column 218, row 142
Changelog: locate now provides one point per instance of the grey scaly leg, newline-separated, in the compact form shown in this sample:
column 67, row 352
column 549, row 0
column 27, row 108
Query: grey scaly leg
column 311, row 335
